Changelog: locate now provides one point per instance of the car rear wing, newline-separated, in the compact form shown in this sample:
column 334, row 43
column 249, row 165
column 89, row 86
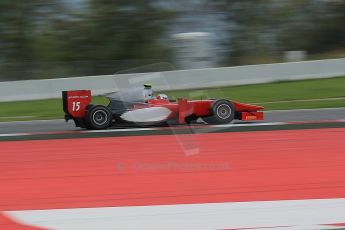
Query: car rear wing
column 75, row 103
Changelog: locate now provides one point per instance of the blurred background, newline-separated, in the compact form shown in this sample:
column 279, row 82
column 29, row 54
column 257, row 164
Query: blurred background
column 54, row 38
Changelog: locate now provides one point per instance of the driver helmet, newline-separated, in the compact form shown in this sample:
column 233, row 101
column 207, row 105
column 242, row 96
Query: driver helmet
column 162, row 96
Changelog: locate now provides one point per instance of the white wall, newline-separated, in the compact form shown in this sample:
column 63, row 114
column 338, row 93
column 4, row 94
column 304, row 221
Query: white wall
column 185, row 79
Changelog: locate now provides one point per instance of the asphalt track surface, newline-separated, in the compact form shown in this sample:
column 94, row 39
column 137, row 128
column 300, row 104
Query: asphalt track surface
column 270, row 117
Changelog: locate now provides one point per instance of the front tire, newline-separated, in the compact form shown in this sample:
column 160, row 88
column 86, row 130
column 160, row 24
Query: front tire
column 223, row 112
column 98, row 117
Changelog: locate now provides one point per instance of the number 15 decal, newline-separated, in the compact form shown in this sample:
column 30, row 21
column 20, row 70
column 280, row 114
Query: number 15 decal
column 76, row 106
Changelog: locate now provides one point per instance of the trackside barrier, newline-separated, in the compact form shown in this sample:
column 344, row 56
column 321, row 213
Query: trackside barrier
column 184, row 79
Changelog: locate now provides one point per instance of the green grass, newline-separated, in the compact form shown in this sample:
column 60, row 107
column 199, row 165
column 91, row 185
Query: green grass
column 278, row 95
column 278, row 91
column 36, row 110
column 273, row 96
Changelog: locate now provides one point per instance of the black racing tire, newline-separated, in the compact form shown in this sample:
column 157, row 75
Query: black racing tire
column 223, row 112
column 98, row 117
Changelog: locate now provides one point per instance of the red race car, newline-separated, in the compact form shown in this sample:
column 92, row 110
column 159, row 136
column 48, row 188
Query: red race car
column 139, row 107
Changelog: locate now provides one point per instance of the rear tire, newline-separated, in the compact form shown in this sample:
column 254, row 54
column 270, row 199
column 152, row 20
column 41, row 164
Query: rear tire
column 223, row 112
column 98, row 117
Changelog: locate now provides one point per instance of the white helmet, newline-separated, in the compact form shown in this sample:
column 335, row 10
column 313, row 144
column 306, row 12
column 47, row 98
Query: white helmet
column 162, row 96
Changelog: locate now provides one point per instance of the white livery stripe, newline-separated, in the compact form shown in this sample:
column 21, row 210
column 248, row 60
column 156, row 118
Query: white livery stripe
column 151, row 114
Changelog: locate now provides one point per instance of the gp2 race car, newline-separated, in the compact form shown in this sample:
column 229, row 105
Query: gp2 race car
column 130, row 107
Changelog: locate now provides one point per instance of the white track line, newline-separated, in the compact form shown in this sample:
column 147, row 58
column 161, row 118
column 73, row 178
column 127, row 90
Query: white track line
column 172, row 128
column 119, row 130
column 301, row 100
column 15, row 134
column 299, row 214
column 249, row 124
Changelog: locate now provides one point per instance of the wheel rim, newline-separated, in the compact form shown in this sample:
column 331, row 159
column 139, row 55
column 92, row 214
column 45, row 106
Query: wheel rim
column 224, row 111
column 100, row 117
